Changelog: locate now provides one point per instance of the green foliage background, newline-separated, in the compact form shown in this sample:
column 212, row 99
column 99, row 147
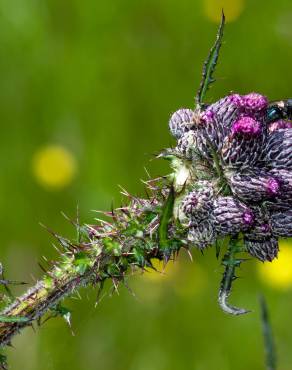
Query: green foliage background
column 101, row 79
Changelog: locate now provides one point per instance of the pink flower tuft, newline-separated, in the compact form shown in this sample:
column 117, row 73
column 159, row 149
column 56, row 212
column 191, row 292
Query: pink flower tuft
column 274, row 126
column 248, row 218
column 273, row 186
column 254, row 101
column 235, row 99
column 207, row 116
column 246, row 126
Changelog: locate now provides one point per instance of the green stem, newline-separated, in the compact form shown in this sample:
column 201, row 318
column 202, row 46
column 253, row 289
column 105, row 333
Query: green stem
column 271, row 360
column 105, row 251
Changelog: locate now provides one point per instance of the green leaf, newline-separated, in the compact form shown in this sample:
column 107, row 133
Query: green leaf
column 139, row 256
column 3, row 362
column 60, row 310
column 210, row 64
column 112, row 247
column 167, row 213
column 82, row 262
column 48, row 282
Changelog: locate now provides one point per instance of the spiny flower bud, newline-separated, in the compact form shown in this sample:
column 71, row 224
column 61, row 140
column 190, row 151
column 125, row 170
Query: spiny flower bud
column 210, row 135
column 284, row 177
column 187, row 145
column 202, row 235
column 254, row 186
column 260, row 231
column 278, row 153
column 231, row 216
column 265, row 250
column 226, row 110
column 281, row 223
column 197, row 205
column 240, row 151
column 181, row 122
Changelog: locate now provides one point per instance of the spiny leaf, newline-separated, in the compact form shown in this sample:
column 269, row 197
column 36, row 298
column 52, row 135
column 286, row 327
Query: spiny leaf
column 210, row 65
column 166, row 215
column 3, row 362
column 230, row 262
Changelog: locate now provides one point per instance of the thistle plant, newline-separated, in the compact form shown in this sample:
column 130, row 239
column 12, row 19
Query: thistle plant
column 230, row 188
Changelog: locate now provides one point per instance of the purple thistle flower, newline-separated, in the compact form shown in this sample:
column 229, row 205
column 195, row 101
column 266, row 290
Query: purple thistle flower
column 230, row 216
column 251, row 102
column 260, row 231
column 281, row 223
column 242, row 151
column 235, row 99
column 254, row 186
column 284, row 177
column 255, row 164
column 278, row 151
column 272, row 186
column 265, row 250
column 208, row 116
column 254, row 102
column 248, row 217
column 197, row 205
column 187, row 145
column 181, row 122
column 202, row 235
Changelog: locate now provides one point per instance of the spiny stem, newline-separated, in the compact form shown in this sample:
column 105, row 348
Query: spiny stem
column 106, row 251
column 230, row 262
column 271, row 360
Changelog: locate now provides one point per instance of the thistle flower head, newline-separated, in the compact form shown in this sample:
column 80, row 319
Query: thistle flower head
column 249, row 161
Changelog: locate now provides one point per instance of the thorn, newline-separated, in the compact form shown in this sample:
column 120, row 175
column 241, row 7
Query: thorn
column 147, row 173
column 42, row 268
column 190, row 255
column 131, row 291
column 98, row 296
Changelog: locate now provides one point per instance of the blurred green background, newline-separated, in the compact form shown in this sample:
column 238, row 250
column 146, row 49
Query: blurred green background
column 86, row 90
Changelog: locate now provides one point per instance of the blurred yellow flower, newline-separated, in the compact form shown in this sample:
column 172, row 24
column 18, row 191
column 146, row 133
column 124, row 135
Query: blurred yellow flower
column 278, row 273
column 192, row 281
column 232, row 9
column 163, row 271
column 54, row 167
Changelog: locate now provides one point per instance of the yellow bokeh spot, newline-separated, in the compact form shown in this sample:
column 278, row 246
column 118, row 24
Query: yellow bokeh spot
column 232, row 9
column 278, row 273
column 54, row 167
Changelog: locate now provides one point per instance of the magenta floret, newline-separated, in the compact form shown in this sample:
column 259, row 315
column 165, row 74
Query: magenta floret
column 247, row 126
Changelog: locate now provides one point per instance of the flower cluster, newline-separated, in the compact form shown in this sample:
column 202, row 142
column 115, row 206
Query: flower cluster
column 245, row 186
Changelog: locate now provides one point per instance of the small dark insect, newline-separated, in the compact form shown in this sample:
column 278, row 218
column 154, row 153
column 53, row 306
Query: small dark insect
column 281, row 109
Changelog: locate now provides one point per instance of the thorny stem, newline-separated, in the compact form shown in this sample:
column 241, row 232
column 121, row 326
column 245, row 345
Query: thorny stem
column 107, row 251
column 271, row 360
column 230, row 262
